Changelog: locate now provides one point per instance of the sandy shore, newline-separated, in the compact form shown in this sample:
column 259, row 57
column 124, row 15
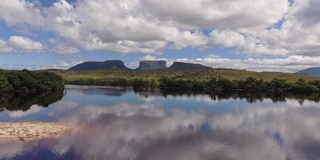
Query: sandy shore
column 25, row 131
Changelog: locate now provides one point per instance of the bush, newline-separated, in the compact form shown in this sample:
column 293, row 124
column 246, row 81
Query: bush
column 26, row 81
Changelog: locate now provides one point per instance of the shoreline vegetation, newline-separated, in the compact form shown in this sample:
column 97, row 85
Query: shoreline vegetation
column 210, row 80
column 13, row 81
column 19, row 91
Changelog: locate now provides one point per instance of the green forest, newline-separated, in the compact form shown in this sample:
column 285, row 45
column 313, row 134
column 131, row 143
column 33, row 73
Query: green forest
column 42, row 81
column 211, row 80
column 12, row 81
column 250, row 84
column 215, row 84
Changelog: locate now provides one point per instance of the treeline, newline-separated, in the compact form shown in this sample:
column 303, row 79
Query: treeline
column 250, row 84
column 26, row 81
column 215, row 84
column 123, row 82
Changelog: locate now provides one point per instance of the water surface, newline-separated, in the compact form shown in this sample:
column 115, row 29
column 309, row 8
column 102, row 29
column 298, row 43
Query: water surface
column 116, row 123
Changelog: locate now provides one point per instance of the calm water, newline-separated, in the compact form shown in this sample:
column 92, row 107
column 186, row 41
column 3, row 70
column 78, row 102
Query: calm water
column 119, row 124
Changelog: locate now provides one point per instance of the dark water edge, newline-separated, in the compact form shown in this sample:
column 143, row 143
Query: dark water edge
column 23, row 101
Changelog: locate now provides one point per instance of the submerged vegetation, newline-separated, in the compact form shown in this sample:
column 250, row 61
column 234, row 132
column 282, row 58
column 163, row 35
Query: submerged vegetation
column 26, row 82
column 210, row 80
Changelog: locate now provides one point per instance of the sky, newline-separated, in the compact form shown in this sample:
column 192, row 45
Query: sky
column 265, row 35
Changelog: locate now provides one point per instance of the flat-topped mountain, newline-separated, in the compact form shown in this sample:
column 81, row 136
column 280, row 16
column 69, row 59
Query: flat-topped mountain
column 188, row 67
column 151, row 65
column 315, row 71
column 110, row 64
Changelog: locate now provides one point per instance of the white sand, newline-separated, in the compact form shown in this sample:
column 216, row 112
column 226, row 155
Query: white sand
column 25, row 131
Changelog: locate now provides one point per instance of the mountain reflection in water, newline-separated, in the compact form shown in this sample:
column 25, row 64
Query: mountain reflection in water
column 146, row 124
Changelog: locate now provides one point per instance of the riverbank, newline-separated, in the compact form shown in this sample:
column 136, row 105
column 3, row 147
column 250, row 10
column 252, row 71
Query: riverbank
column 26, row 131
column 211, row 80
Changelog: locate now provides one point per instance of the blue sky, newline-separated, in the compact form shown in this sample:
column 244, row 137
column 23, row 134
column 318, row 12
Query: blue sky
column 270, row 35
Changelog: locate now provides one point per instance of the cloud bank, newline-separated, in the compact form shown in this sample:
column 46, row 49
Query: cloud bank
column 252, row 28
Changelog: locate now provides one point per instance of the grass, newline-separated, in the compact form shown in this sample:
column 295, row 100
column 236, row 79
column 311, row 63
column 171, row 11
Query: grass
column 230, row 74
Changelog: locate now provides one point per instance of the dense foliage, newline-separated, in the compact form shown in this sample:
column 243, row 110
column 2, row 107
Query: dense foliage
column 27, row 81
column 214, row 84
column 250, row 84
column 209, row 80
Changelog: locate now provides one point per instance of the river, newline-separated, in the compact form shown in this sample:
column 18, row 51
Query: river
column 125, row 124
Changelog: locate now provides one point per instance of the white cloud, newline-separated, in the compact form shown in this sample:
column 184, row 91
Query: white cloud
column 63, row 49
column 298, row 35
column 226, row 39
column 151, row 26
column 18, row 12
column 148, row 58
column 25, row 44
column 141, row 26
column 209, row 14
column 4, row 48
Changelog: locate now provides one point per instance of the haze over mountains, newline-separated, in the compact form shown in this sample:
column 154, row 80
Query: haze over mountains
column 315, row 71
column 109, row 64
column 143, row 65
column 150, row 65
column 181, row 66
column 158, row 65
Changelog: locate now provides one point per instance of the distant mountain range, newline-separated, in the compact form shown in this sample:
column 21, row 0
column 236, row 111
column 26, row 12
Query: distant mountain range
column 143, row 65
column 151, row 65
column 110, row 64
column 315, row 71
column 190, row 67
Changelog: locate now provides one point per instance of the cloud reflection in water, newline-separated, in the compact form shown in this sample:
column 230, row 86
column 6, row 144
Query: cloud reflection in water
column 149, row 130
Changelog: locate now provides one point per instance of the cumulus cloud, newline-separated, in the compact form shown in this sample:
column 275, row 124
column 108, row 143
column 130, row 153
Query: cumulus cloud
column 145, row 26
column 208, row 14
column 63, row 49
column 226, row 39
column 254, row 28
column 299, row 33
column 148, row 58
column 25, row 44
column 4, row 48
column 18, row 12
